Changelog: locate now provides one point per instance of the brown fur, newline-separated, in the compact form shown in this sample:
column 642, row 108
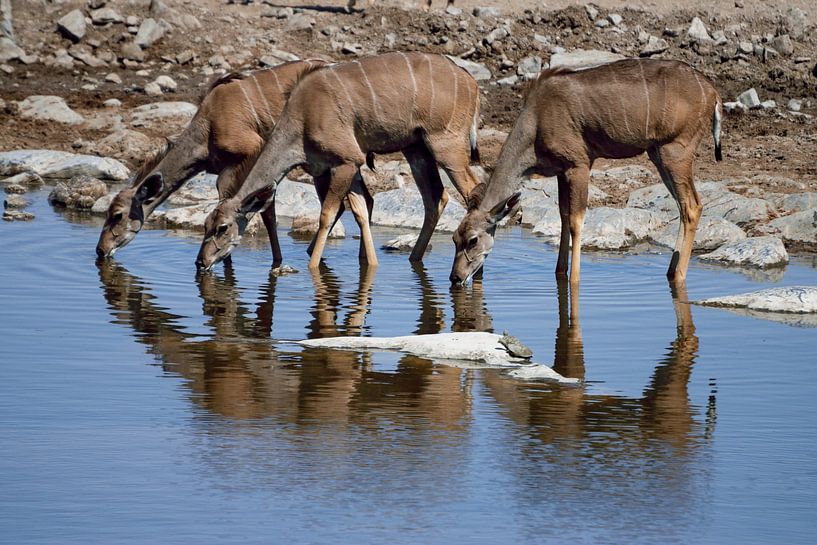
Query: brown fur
column 571, row 118
column 420, row 104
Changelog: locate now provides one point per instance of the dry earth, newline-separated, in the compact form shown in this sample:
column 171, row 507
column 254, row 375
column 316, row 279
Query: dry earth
column 766, row 149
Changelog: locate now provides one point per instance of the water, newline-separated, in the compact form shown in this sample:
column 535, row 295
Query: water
column 139, row 404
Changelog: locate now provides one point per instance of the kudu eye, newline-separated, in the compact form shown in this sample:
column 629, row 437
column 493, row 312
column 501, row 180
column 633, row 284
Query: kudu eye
column 117, row 217
column 222, row 229
column 473, row 241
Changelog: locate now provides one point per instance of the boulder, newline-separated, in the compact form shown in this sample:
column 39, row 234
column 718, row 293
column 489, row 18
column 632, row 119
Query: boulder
column 104, row 16
column 166, row 83
column 797, row 227
column 14, row 189
column 149, row 33
column 72, row 25
column 15, row 202
column 654, row 46
column 162, row 112
column 794, row 299
column 483, row 12
column 306, row 226
column 796, row 202
column 78, row 192
column 615, row 228
column 198, row 189
column 711, row 234
column 28, row 179
column 404, row 208
column 549, row 226
column 795, row 22
column 125, row 144
column 529, row 67
column 697, row 31
column 274, row 57
column 102, row 204
column 293, row 199
column 193, row 217
column 478, row 71
column 131, row 51
column 403, row 243
column 17, row 215
column 9, row 50
column 583, row 58
column 300, row 21
column 749, row 98
column 48, row 108
column 542, row 194
column 759, row 252
column 60, row 164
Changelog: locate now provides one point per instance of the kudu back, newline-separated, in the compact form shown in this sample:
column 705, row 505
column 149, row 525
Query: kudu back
column 226, row 133
column 571, row 118
column 420, row 104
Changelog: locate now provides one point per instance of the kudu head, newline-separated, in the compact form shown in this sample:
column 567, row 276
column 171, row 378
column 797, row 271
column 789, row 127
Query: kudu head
column 474, row 238
column 226, row 224
column 126, row 214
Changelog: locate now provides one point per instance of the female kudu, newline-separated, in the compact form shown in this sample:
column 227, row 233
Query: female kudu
column 227, row 132
column 423, row 105
column 571, row 118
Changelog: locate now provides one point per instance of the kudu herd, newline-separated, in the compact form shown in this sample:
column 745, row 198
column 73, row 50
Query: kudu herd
column 331, row 118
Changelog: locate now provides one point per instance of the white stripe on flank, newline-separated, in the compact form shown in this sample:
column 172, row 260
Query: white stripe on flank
column 454, row 102
column 343, row 86
column 413, row 83
column 263, row 99
column 375, row 103
column 258, row 126
column 278, row 82
column 431, row 83
column 703, row 93
column 647, row 97
column 665, row 105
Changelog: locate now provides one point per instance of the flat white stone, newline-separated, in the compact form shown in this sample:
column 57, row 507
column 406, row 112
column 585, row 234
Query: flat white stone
column 403, row 207
column 471, row 347
column 794, row 299
column 61, row 164
column 761, row 252
column 49, row 108
column 583, row 58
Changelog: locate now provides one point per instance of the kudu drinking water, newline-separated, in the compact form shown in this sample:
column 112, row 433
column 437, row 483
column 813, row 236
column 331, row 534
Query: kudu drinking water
column 423, row 105
column 227, row 132
column 571, row 118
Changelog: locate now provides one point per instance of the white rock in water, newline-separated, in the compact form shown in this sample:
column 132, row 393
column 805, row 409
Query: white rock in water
column 78, row 192
column 583, row 58
column 49, row 108
column 60, row 164
column 102, row 204
column 761, row 252
column 711, row 234
column 614, row 228
column 456, row 347
column 200, row 188
column 478, row 71
column 797, row 299
column 294, row 199
column 404, row 208
column 307, row 225
column 403, row 243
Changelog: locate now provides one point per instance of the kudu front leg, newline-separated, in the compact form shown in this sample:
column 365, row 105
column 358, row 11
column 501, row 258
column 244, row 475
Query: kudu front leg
column 427, row 177
column 341, row 181
column 574, row 184
column 361, row 202
column 271, row 223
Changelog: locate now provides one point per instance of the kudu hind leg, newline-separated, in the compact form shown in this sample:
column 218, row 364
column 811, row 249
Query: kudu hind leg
column 674, row 164
column 427, row 177
column 331, row 208
column 322, row 188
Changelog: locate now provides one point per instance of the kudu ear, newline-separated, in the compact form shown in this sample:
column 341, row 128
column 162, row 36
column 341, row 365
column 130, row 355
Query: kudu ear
column 505, row 208
column 476, row 195
column 256, row 201
column 149, row 188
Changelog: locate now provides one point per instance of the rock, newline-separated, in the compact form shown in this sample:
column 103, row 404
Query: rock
column 510, row 80
column 300, row 21
column 78, row 192
column 549, row 225
column 540, row 195
column 403, row 243
column 795, row 22
column 591, row 11
column 49, row 108
column 306, row 226
column 112, row 103
column 760, row 252
column 697, row 31
column 583, row 58
column 529, row 67
column 83, row 53
column 796, row 202
column 768, row 105
column 185, row 56
column 348, row 48
column 283, row 270
column 734, row 107
column 404, row 208
column 495, row 35
column 615, row 18
column 798, row 227
column 125, row 144
column 615, row 228
column 161, row 112
column 749, row 98
column 453, row 11
column 794, row 105
column 149, row 33
column 483, row 12
column 274, row 57
column 478, row 71
column 719, row 36
column 113, row 77
column 654, row 46
column 166, row 83
column 152, row 89
column 15, row 202
column 102, row 204
column 96, row 4
column 28, row 179
column 198, row 189
column 17, row 215
column 14, row 189
column 795, row 299
column 193, row 217
column 9, row 50
column 293, row 199
column 602, row 23
column 72, row 25
column 746, row 48
column 131, row 51
column 104, row 16
column 783, row 45
column 712, row 233
column 60, row 164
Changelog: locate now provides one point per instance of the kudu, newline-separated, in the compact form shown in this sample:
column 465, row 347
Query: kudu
column 571, row 118
column 423, row 105
column 227, row 132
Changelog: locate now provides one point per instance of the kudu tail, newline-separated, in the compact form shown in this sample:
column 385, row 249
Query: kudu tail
column 717, row 115
column 473, row 135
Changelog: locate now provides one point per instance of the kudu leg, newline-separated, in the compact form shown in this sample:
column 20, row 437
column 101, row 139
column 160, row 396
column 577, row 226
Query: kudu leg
column 572, row 207
column 360, row 202
column 454, row 158
column 674, row 163
column 332, row 207
column 271, row 223
column 225, row 185
column 427, row 177
column 321, row 188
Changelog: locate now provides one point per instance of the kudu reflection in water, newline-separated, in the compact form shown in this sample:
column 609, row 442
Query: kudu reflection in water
column 600, row 422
